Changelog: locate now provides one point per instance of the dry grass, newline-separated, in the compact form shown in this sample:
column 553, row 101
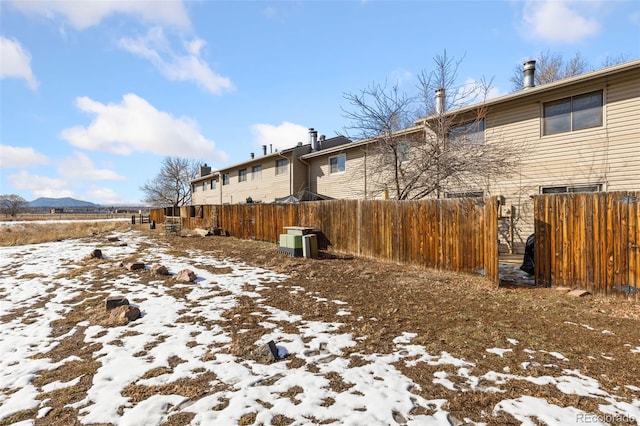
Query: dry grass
column 459, row 314
column 66, row 216
column 34, row 233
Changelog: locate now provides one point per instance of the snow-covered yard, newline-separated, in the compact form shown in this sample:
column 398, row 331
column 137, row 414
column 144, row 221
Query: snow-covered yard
column 143, row 371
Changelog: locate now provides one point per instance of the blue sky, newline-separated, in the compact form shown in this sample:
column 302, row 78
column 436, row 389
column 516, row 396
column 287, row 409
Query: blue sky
column 94, row 94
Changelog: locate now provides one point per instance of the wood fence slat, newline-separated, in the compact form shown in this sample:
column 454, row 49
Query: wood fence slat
column 631, row 244
column 447, row 234
column 589, row 241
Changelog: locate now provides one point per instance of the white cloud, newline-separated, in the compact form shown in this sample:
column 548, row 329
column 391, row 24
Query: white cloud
column 84, row 14
column 135, row 125
column 495, row 92
column 560, row 21
column 105, row 196
column 176, row 66
column 283, row 136
column 53, row 193
column 400, row 76
column 81, row 167
column 270, row 12
column 478, row 94
column 16, row 62
column 39, row 184
column 15, row 157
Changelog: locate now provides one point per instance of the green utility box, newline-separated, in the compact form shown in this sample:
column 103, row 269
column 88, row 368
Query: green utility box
column 291, row 245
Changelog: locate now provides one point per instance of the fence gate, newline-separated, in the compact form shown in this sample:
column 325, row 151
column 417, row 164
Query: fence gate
column 589, row 241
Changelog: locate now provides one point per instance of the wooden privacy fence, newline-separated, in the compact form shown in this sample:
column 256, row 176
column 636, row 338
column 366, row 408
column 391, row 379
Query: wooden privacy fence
column 589, row 241
column 458, row 235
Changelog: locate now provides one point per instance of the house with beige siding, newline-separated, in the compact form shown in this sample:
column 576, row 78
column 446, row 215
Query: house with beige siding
column 580, row 134
column 261, row 179
column 353, row 171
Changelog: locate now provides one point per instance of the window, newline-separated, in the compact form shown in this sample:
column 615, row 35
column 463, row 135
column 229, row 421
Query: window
column 282, row 166
column 194, row 188
column 196, row 211
column 573, row 113
column 471, row 132
column 403, row 151
column 337, row 164
column 225, row 178
column 570, row 189
column 213, row 183
column 242, row 175
column 256, row 172
column 470, row 194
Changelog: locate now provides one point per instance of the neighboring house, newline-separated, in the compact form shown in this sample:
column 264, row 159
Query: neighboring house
column 260, row 179
column 580, row 134
column 351, row 171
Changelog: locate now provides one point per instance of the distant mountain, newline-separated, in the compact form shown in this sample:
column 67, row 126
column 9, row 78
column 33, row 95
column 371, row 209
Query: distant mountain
column 60, row 202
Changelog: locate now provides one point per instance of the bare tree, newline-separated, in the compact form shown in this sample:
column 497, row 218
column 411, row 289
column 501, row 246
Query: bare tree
column 610, row 61
column 172, row 185
column 378, row 113
column 551, row 67
column 12, row 204
column 442, row 153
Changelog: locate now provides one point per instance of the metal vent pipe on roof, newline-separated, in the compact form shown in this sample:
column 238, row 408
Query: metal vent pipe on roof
column 252, row 156
column 313, row 139
column 205, row 170
column 529, row 72
column 264, row 150
column 440, row 101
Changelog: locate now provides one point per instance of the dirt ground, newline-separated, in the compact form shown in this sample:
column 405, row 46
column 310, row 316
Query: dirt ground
column 459, row 314
column 455, row 313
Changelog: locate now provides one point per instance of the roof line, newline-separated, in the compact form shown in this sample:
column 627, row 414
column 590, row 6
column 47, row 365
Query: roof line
column 591, row 75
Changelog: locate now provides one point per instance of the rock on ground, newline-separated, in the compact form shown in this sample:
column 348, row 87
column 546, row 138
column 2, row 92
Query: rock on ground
column 186, row 275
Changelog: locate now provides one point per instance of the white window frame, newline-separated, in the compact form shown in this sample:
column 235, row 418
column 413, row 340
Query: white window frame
column 225, row 179
column 571, row 189
column 242, row 175
column 469, row 132
column 404, row 151
column 256, row 172
column 571, row 114
column 282, row 166
column 337, row 164
column 467, row 194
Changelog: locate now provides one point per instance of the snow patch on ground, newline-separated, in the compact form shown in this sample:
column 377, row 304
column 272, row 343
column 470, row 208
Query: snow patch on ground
column 33, row 285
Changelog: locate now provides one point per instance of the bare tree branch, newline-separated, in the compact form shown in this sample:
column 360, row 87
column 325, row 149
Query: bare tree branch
column 551, row 67
column 172, row 185
column 446, row 153
column 12, row 204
